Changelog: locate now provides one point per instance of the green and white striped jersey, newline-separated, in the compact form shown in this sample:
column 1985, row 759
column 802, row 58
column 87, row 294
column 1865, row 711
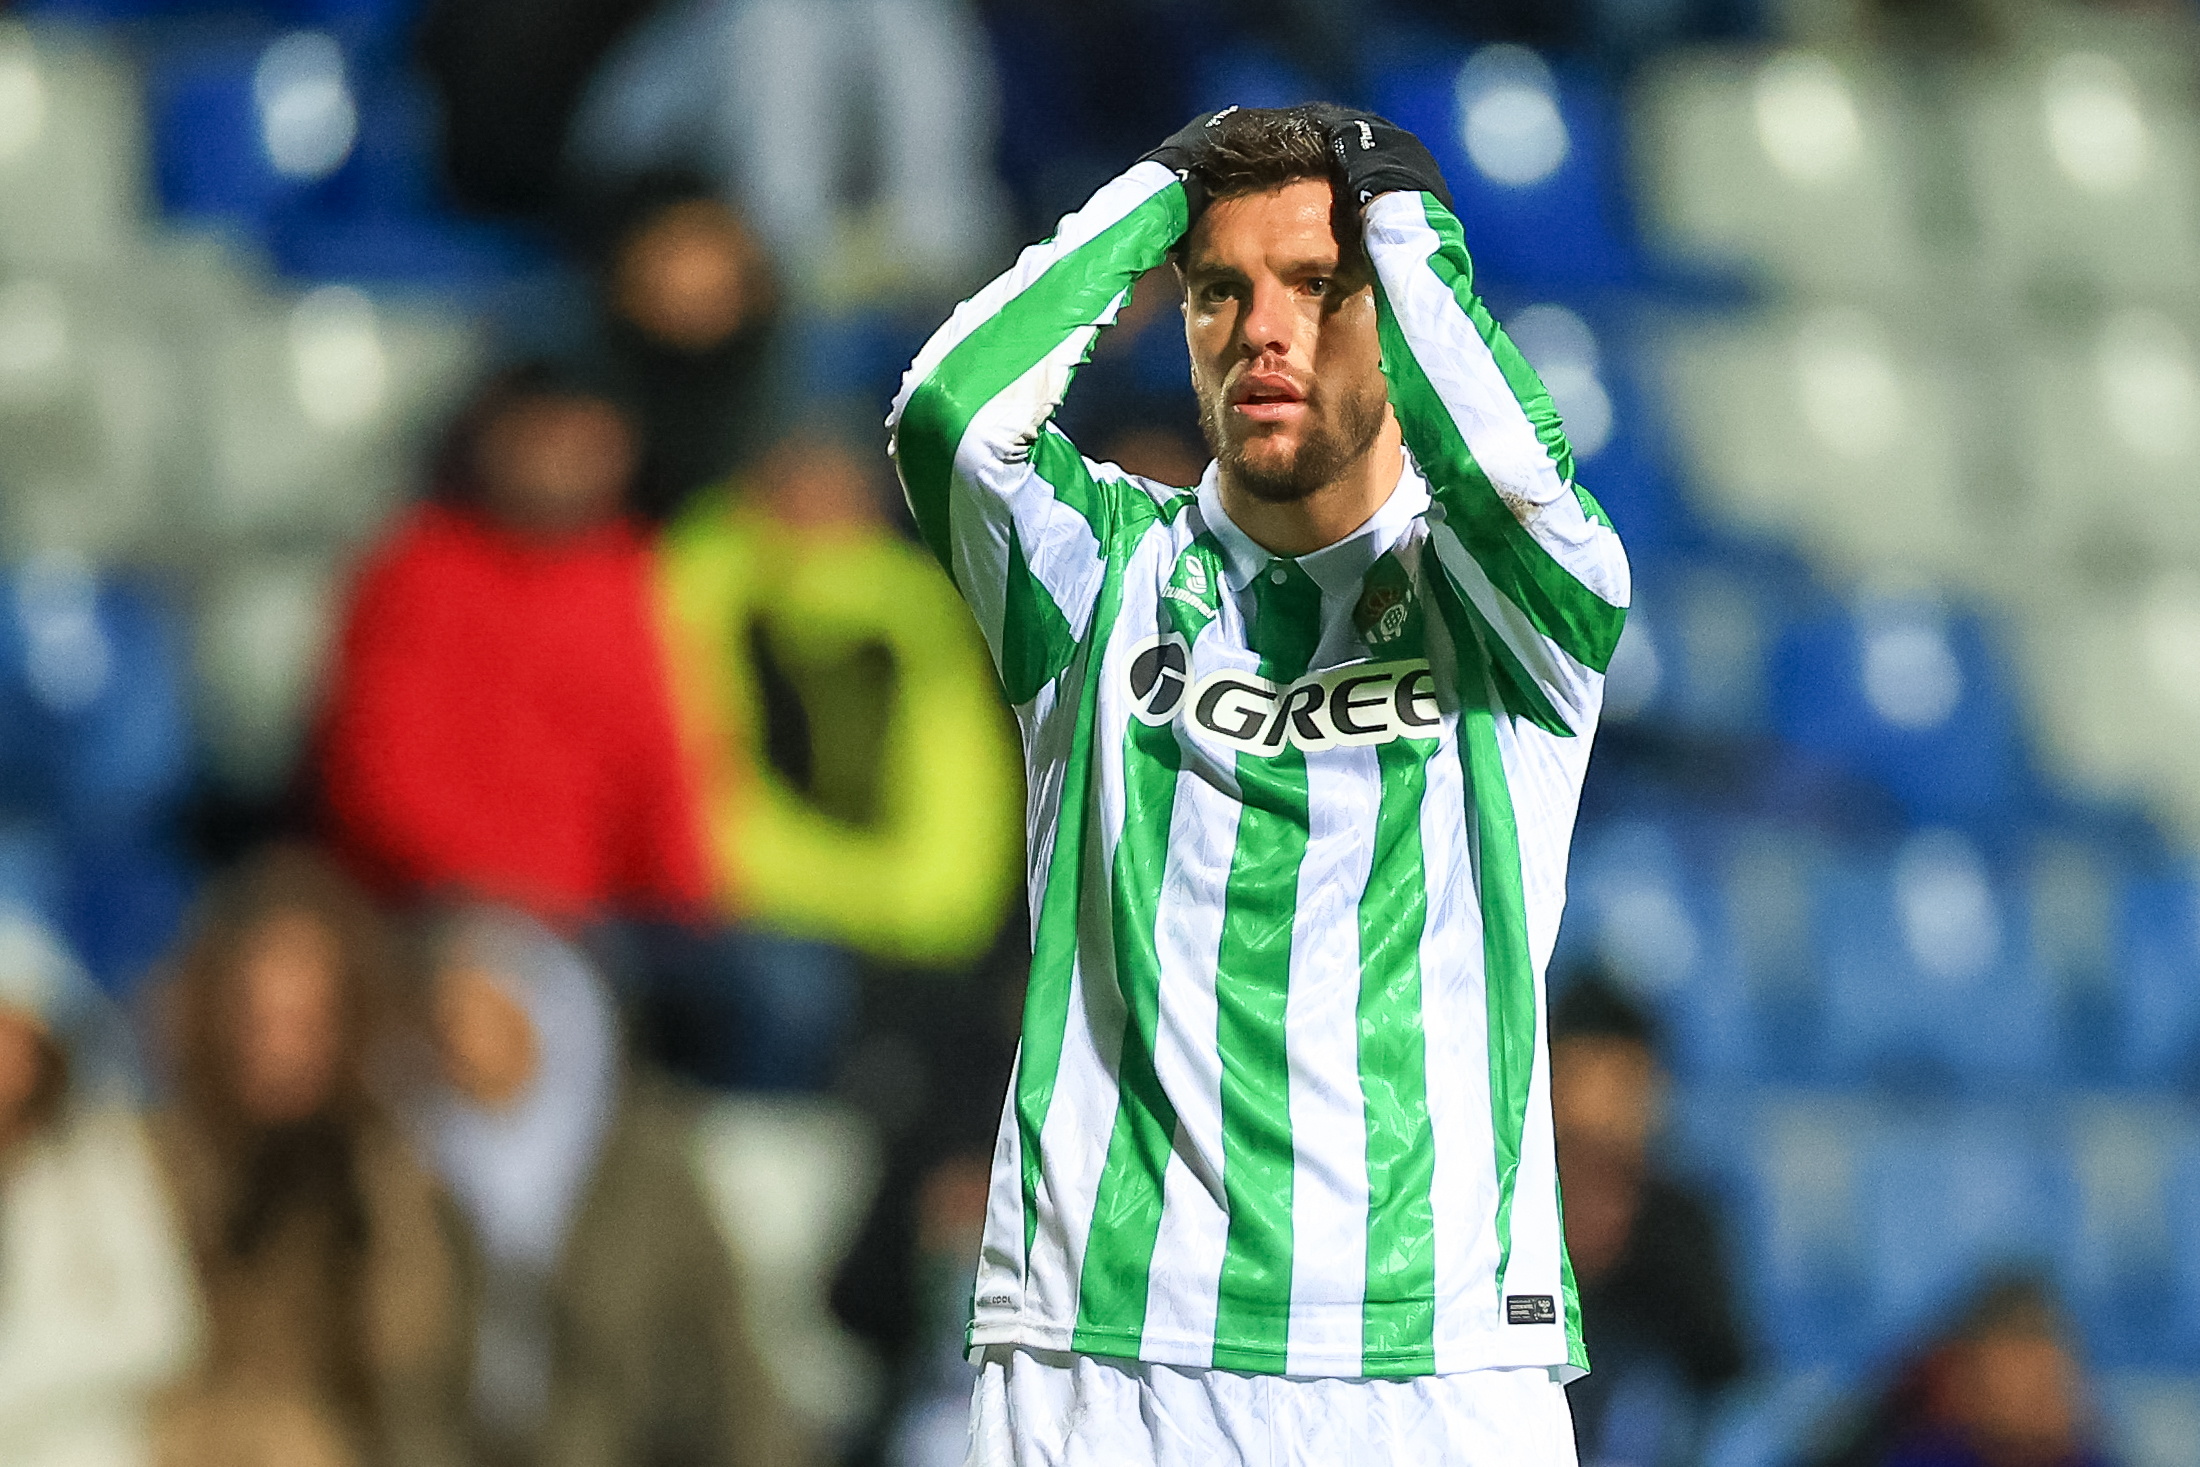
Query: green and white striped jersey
column 1298, row 835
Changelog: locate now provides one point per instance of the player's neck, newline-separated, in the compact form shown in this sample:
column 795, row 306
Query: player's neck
column 1329, row 514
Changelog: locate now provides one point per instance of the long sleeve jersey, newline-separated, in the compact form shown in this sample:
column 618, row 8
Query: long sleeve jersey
column 1297, row 839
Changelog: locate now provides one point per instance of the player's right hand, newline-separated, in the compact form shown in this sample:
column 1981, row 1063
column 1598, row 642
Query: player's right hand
column 1181, row 155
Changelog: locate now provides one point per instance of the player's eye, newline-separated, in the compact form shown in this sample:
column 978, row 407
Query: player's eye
column 1319, row 285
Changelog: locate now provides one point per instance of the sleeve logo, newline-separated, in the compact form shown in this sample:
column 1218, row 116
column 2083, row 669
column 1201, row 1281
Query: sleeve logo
column 1360, row 704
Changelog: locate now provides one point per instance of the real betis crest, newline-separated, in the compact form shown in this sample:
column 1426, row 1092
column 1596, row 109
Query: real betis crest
column 1388, row 617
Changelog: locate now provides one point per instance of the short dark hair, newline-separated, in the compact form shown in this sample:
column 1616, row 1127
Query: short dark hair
column 1258, row 148
column 1255, row 149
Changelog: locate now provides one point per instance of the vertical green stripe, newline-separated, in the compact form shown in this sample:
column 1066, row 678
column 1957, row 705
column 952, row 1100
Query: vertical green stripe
column 1399, row 1322
column 1072, row 293
column 1054, row 944
column 1508, row 973
column 1252, row 988
column 1515, row 688
column 1035, row 636
column 1126, row 1216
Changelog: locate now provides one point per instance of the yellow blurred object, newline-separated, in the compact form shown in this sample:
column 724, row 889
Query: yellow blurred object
column 907, row 845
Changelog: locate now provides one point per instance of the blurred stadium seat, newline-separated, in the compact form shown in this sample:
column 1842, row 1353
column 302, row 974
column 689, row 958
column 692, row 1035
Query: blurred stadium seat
column 2158, row 973
column 71, row 157
column 1644, row 909
column 2153, row 1418
column 2115, row 1255
column 317, row 409
column 1794, row 164
column 1948, row 1199
column 1908, row 691
column 1533, row 156
column 2111, row 418
column 1835, row 427
column 245, row 129
column 2085, row 174
column 1805, row 1221
column 1706, row 625
column 264, row 626
column 1928, row 983
column 2181, row 1204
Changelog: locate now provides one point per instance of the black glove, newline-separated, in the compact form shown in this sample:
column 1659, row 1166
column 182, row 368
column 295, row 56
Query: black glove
column 1377, row 156
column 1181, row 154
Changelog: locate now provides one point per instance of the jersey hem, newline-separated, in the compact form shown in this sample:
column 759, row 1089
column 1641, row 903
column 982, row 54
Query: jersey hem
column 1546, row 1350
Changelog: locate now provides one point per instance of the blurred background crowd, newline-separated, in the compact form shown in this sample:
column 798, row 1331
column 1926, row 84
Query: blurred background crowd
column 510, row 941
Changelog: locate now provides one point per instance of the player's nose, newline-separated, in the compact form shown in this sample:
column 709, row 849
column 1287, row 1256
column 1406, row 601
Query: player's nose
column 1269, row 320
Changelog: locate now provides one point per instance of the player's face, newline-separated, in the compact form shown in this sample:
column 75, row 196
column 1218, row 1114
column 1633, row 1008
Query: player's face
column 1280, row 318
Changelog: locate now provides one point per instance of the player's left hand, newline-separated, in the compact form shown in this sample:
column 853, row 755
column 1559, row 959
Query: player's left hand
column 1181, row 155
column 1378, row 157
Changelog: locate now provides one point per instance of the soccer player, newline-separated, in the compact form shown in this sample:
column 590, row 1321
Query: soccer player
column 1275, row 1180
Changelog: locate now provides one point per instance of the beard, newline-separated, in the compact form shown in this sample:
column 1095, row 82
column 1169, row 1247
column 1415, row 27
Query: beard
column 1330, row 443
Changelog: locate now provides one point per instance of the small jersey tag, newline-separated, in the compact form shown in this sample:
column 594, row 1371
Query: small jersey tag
column 1530, row 1309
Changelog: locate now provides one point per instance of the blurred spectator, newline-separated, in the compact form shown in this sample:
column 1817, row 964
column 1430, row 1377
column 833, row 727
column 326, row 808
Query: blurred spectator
column 97, row 1312
column 852, row 742
column 830, row 669
column 610, row 1332
column 877, row 177
column 322, row 1251
column 690, row 304
column 2003, row 1388
column 508, row 74
column 1657, row 1303
column 929, row 1073
column 499, row 722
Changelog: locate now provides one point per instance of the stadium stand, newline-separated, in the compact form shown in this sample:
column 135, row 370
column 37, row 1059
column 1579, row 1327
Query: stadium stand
column 1884, row 542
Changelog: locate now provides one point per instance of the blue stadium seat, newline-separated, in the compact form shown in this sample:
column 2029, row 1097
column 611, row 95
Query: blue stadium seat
column 98, row 748
column 2116, row 1258
column 127, row 899
column 1947, row 1200
column 2074, row 879
column 1928, row 980
column 1912, row 695
column 1800, row 1245
column 246, row 130
column 92, row 700
column 2158, row 976
column 1644, row 904
column 1532, row 153
column 328, row 164
column 2181, row 1206
column 1710, row 620
column 34, row 876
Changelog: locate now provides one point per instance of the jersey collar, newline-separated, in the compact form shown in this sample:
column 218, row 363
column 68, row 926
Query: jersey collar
column 1337, row 569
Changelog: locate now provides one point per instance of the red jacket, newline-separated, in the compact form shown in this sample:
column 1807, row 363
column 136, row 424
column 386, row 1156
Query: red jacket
column 499, row 723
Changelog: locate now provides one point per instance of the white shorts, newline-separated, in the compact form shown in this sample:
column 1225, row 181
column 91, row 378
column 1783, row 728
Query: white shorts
column 1039, row 1408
